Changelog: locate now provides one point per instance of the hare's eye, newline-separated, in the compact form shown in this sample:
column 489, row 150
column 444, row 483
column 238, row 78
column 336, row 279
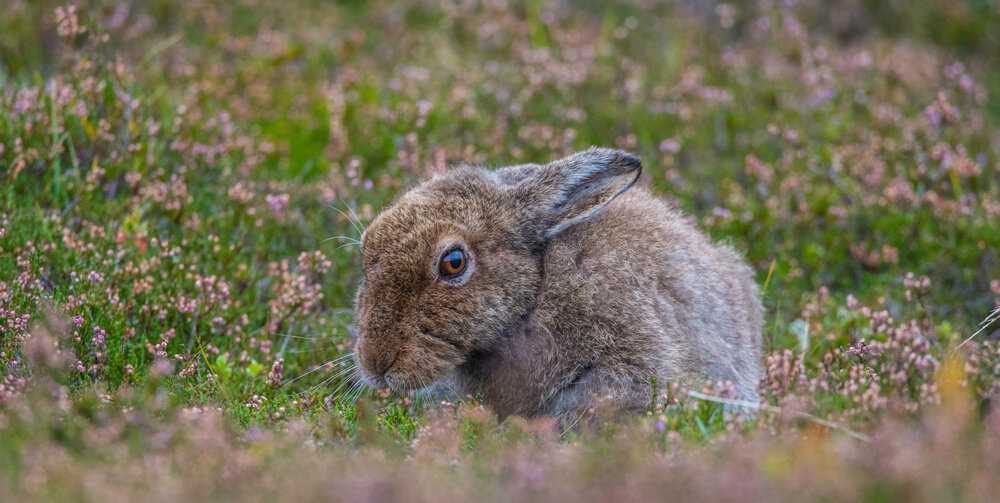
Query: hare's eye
column 453, row 263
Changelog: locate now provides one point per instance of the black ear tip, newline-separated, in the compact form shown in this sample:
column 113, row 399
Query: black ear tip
column 628, row 160
column 624, row 162
column 619, row 160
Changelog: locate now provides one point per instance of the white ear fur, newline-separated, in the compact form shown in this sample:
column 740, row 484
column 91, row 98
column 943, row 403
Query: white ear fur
column 584, row 183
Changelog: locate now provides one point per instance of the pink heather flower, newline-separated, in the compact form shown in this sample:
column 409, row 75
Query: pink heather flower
column 932, row 115
column 162, row 367
column 78, row 321
column 67, row 23
column 190, row 369
column 277, row 203
column 670, row 146
column 100, row 337
column 822, row 97
column 276, row 374
column 241, row 193
column 852, row 303
column 722, row 213
column 255, row 402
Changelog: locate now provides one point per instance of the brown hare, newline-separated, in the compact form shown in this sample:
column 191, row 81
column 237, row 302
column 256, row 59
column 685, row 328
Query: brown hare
column 544, row 287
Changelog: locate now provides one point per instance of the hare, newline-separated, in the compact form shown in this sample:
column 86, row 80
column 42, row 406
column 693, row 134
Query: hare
column 545, row 287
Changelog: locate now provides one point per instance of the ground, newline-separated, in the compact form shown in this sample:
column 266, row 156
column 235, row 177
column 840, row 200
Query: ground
column 182, row 183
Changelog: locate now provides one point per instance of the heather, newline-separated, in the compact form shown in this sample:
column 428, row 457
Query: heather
column 183, row 185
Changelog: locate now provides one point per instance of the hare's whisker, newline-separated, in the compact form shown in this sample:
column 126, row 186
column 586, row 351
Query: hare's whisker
column 356, row 392
column 363, row 228
column 283, row 386
column 345, row 372
column 322, row 383
column 320, row 367
column 348, row 380
column 345, row 215
column 305, row 337
column 346, row 238
column 311, row 350
column 994, row 316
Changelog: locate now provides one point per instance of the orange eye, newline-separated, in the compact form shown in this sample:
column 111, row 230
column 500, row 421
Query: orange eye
column 453, row 263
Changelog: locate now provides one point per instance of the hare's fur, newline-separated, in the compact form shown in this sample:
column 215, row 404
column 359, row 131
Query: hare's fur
column 578, row 287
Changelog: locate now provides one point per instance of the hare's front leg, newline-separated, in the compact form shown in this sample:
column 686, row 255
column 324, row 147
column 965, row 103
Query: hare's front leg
column 582, row 399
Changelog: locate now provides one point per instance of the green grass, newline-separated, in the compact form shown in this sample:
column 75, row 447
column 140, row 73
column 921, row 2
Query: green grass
column 172, row 175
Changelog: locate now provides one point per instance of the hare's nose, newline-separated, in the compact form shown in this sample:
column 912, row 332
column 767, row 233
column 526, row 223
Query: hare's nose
column 384, row 363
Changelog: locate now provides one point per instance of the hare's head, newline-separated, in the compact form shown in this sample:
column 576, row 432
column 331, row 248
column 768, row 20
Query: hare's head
column 454, row 262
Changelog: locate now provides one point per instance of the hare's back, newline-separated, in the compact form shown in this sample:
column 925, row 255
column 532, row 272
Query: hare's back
column 653, row 285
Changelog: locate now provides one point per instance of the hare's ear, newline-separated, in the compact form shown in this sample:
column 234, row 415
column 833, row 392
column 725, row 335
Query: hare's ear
column 575, row 188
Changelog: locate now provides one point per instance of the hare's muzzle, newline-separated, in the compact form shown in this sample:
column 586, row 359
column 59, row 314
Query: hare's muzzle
column 375, row 360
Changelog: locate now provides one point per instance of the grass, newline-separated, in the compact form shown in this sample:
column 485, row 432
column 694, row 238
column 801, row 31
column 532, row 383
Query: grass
column 172, row 305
